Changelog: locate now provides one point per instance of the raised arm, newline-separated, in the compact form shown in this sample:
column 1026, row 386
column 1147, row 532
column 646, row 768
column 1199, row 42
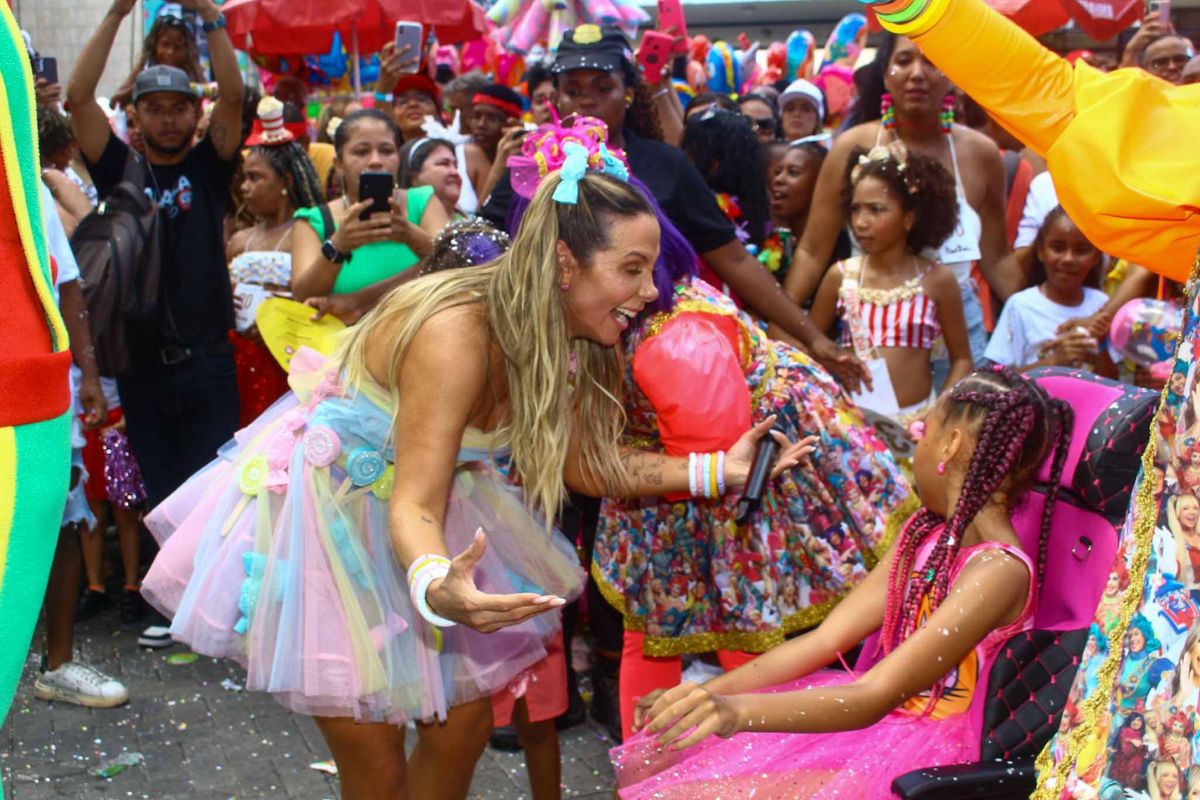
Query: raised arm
column 225, row 127
column 87, row 118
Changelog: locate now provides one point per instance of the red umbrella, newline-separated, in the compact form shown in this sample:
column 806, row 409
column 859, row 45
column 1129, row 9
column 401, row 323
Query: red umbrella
column 296, row 27
column 1034, row 16
column 1104, row 19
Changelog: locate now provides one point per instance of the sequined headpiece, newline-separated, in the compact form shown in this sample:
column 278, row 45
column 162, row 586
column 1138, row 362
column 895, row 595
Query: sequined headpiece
column 545, row 150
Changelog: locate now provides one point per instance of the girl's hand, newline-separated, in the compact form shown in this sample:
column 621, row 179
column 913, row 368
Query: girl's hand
column 1072, row 348
column 842, row 363
column 349, row 308
column 457, row 598
column 689, row 707
column 354, row 232
column 641, row 710
column 740, row 457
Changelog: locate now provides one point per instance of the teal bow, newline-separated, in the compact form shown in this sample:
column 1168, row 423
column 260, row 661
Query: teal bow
column 612, row 165
column 573, row 169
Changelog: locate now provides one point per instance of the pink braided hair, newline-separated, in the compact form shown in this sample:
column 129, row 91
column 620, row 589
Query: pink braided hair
column 1020, row 424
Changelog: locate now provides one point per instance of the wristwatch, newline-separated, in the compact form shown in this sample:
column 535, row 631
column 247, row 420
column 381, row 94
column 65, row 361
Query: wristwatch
column 331, row 253
column 215, row 25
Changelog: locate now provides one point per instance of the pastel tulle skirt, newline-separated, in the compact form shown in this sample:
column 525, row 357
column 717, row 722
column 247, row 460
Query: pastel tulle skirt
column 846, row 765
column 278, row 554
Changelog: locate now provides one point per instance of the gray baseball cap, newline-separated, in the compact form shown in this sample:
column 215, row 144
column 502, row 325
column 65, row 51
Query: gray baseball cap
column 161, row 78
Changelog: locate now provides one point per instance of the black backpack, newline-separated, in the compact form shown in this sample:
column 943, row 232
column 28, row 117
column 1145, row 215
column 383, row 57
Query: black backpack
column 119, row 247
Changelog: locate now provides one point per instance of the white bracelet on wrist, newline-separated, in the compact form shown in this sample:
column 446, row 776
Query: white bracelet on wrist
column 421, row 573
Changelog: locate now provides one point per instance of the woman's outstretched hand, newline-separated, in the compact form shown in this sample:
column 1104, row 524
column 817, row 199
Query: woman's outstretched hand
column 739, row 457
column 686, row 715
column 457, row 598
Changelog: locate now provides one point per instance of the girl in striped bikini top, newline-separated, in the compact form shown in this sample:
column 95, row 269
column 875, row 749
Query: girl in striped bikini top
column 892, row 304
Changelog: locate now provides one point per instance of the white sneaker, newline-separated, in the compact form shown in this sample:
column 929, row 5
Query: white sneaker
column 82, row 685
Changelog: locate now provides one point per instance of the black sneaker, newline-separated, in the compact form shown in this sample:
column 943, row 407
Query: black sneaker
column 133, row 607
column 505, row 739
column 91, row 603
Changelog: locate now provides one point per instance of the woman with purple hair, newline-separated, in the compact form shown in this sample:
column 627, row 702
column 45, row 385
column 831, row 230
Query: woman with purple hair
column 685, row 575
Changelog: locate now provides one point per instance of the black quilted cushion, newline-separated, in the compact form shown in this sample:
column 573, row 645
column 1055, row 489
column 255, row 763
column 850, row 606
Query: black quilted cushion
column 1112, row 454
column 1028, row 688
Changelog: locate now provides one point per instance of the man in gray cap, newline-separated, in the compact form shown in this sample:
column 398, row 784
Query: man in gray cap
column 180, row 399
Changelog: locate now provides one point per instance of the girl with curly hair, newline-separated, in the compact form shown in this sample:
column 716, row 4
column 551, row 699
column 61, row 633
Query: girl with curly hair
column 893, row 303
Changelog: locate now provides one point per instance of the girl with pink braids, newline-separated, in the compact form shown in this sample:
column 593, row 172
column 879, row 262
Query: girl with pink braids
column 951, row 591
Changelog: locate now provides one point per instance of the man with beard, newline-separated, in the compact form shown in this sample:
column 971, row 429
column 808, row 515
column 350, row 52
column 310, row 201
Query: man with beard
column 180, row 398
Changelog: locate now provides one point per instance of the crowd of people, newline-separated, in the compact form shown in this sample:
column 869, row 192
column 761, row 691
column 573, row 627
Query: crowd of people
column 581, row 308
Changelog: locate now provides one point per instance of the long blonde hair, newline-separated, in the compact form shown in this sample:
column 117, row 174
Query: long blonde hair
column 527, row 320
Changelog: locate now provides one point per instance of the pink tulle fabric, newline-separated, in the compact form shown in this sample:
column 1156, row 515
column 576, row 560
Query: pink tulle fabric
column 296, row 579
column 844, row 765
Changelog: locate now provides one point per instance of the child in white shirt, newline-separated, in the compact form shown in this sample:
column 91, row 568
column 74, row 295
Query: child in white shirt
column 1065, row 268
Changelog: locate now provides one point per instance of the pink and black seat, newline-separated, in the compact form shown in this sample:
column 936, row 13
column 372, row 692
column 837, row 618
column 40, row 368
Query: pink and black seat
column 1029, row 682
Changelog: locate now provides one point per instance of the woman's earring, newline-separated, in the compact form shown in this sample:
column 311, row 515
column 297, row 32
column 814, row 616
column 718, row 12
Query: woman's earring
column 565, row 286
column 941, row 468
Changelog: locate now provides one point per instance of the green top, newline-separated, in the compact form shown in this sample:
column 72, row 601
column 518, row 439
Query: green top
column 377, row 261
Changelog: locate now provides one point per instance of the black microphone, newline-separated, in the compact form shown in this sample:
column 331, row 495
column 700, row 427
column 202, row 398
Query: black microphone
column 760, row 471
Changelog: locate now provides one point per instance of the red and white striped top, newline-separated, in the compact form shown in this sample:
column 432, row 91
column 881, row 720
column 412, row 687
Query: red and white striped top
column 900, row 317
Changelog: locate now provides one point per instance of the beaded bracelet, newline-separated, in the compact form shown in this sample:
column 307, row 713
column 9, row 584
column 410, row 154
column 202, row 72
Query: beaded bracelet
column 706, row 474
column 421, row 573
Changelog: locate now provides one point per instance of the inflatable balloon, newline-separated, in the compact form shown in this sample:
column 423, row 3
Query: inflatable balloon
column 846, row 40
column 801, row 47
column 724, row 71
column 836, row 76
column 1145, row 331
column 525, row 24
column 776, row 63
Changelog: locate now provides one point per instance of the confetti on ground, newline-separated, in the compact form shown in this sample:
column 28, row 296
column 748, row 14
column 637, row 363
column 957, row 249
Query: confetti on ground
column 230, row 685
column 175, row 659
column 115, row 766
column 328, row 767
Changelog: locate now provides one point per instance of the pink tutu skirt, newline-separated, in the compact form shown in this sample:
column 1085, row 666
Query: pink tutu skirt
column 847, row 765
column 278, row 554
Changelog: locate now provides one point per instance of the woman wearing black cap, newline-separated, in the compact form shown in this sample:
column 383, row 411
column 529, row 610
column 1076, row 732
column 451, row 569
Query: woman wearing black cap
column 596, row 77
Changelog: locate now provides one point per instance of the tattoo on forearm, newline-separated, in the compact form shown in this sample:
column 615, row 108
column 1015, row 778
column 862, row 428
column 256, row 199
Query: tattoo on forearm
column 218, row 135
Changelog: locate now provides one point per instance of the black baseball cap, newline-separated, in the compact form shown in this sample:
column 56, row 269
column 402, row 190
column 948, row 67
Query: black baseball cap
column 594, row 47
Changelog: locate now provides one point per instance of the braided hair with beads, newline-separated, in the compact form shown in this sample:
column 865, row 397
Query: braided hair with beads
column 291, row 163
column 1017, row 426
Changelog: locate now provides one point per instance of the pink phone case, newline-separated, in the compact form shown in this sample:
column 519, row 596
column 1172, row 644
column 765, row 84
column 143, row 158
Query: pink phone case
column 655, row 54
column 670, row 14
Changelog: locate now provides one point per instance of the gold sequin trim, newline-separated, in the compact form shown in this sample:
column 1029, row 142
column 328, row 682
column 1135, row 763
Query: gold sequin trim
column 750, row 641
column 1052, row 777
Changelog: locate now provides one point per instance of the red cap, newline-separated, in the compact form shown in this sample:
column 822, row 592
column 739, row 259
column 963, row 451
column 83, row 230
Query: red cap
column 422, row 82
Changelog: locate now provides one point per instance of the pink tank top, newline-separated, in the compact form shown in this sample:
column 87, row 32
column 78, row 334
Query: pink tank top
column 966, row 685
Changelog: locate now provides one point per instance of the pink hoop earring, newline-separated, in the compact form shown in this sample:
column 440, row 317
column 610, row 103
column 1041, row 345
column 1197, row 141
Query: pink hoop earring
column 941, row 468
column 565, row 286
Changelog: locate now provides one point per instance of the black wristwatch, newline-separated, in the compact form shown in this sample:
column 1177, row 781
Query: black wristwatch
column 331, row 253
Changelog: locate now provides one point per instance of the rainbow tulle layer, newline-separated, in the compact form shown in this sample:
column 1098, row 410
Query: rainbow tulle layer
column 278, row 554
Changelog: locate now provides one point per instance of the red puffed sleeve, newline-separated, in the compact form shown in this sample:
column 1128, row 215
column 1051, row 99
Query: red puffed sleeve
column 692, row 375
